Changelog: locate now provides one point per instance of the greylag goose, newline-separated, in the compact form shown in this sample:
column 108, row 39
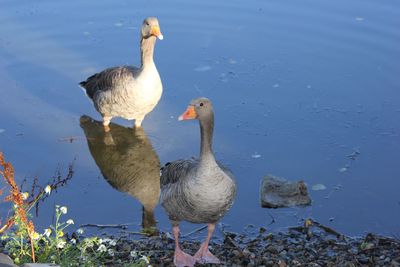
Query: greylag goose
column 197, row 190
column 127, row 91
column 127, row 162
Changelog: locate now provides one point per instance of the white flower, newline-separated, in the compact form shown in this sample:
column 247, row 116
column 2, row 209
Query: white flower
column 113, row 242
column 102, row 248
column 70, row 221
column 133, row 254
column 47, row 232
column 47, row 190
column 73, row 241
column 146, row 259
column 35, row 236
column 105, row 240
column 111, row 252
column 80, row 231
column 61, row 243
column 63, row 210
column 25, row 195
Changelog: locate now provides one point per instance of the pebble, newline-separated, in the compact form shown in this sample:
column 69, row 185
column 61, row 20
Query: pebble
column 40, row 265
column 395, row 263
column 272, row 249
column 282, row 249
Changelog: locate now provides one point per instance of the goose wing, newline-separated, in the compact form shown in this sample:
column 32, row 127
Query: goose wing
column 172, row 172
column 226, row 170
column 109, row 79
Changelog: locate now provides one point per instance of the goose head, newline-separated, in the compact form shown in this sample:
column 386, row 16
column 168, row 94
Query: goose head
column 150, row 27
column 199, row 108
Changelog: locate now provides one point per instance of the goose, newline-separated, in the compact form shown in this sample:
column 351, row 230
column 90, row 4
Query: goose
column 127, row 91
column 197, row 190
column 128, row 162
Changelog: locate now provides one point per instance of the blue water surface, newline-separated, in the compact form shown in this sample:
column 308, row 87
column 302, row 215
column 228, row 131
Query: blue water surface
column 305, row 90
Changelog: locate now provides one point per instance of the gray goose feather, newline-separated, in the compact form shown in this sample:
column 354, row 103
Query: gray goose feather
column 127, row 91
column 198, row 190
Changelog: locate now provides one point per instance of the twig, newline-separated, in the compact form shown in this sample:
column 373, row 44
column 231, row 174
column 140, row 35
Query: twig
column 272, row 219
column 297, row 228
column 221, row 228
column 123, row 226
column 136, row 233
column 327, row 229
column 69, row 139
column 195, row 231
column 306, row 228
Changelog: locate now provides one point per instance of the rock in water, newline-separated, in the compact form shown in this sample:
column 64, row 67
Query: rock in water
column 277, row 192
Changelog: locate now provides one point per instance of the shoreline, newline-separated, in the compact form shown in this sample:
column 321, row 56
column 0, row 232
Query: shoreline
column 309, row 245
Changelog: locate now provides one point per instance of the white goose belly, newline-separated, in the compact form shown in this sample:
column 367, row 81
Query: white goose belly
column 141, row 102
column 141, row 96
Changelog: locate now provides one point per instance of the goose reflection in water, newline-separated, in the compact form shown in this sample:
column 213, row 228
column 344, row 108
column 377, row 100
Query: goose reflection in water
column 128, row 162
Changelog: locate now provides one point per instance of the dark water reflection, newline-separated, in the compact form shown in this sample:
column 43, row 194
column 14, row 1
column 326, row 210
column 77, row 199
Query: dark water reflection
column 127, row 161
column 296, row 87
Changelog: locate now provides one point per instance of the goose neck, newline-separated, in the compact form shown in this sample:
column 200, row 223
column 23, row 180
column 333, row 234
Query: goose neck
column 206, row 133
column 147, row 50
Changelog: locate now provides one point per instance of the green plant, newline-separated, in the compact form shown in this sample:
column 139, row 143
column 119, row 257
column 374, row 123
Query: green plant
column 24, row 244
column 53, row 246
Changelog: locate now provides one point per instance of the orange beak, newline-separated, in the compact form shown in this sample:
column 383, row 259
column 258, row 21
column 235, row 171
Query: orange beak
column 155, row 30
column 189, row 114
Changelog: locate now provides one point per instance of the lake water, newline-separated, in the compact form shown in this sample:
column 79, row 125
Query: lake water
column 299, row 89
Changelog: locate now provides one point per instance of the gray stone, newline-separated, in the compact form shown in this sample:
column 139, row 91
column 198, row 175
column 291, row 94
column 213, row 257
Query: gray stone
column 6, row 261
column 395, row 263
column 277, row 192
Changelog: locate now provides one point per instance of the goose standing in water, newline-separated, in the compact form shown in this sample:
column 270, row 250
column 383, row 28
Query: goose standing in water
column 197, row 190
column 127, row 91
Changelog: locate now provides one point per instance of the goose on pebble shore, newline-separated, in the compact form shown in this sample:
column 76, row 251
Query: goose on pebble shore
column 197, row 190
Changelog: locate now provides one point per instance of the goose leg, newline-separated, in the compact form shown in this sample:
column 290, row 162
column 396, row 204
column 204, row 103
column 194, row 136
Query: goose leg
column 203, row 255
column 108, row 139
column 181, row 259
column 106, row 122
column 138, row 122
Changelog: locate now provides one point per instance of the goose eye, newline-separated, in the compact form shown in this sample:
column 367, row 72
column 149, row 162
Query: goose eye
column 147, row 23
column 201, row 104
